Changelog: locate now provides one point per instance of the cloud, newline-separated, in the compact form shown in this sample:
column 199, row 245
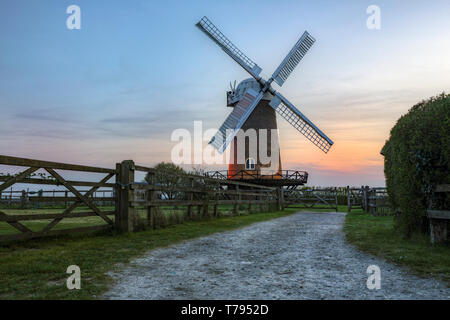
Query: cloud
column 41, row 115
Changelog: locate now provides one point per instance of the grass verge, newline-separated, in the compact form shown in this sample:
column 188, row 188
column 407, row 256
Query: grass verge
column 36, row 269
column 377, row 236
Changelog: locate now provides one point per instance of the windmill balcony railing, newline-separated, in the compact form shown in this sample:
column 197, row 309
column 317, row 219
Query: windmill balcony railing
column 255, row 174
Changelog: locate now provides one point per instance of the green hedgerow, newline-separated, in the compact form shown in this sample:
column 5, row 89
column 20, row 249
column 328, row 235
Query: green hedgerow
column 416, row 159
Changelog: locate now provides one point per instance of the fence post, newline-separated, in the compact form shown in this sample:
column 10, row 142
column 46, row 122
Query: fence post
column 125, row 213
column 216, row 205
column 250, row 198
column 279, row 199
column 373, row 202
column 205, row 209
column 362, row 198
column 23, row 199
column 191, row 198
column 236, row 205
column 349, row 202
column 151, row 196
column 260, row 201
column 117, row 190
column 366, row 198
column 336, row 197
column 369, row 207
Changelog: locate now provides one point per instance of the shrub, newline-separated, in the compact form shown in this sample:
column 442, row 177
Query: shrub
column 416, row 160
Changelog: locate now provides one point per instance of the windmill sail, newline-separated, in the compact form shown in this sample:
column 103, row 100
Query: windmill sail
column 245, row 107
column 293, row 58
column 237, row 55
column 300, row 122
column 236, row 119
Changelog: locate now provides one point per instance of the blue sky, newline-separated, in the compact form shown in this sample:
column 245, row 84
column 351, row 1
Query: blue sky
column 137, row 70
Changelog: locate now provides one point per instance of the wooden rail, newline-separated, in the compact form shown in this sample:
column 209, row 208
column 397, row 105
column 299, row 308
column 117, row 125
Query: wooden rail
column 22, row 162
column 80, row 198
column 26, row 199
column 200, row 196
column 355, row 198
column 195, row 193
column 298, row 176
column 372, row 200
column 319, row 198
column 378, row 202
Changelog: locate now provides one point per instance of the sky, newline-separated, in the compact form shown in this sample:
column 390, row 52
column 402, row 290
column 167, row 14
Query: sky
column 137, row 70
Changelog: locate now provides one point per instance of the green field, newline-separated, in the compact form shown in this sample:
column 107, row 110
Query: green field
column 36, row 269
column 377, row 236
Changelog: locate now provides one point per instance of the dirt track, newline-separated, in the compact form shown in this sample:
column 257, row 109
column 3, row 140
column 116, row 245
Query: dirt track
column 302, row 256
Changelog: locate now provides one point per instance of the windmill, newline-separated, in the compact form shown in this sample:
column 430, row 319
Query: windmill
column 255, row 102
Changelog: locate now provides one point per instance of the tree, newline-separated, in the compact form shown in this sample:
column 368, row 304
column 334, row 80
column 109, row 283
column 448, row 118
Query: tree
column 168, row 175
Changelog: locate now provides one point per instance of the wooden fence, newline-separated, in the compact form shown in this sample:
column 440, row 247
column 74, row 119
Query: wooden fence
column 372, row 200
column 137, row 204
column 52, row 219
column 355, row 199
column 24, row 199
column 378, row 202
column 156, row 199
column 189, row 196
column 319, row 198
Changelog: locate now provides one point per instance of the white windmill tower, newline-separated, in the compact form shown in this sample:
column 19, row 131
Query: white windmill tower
column 254, row 103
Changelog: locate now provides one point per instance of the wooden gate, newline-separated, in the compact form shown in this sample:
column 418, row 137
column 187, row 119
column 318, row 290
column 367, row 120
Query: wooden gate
column 378, row 202
column 355, row 198
column 372, row 200
column 77, row 199
column 318, row 198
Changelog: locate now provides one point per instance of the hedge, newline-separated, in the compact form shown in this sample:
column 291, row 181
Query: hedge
column 416, row 159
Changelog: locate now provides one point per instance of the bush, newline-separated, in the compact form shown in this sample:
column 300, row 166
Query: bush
column 416, row 160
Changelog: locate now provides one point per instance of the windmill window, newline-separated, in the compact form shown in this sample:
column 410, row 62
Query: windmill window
column 250, row 164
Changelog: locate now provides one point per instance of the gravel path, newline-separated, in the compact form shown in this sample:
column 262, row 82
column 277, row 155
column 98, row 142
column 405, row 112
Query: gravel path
column 302, row 256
